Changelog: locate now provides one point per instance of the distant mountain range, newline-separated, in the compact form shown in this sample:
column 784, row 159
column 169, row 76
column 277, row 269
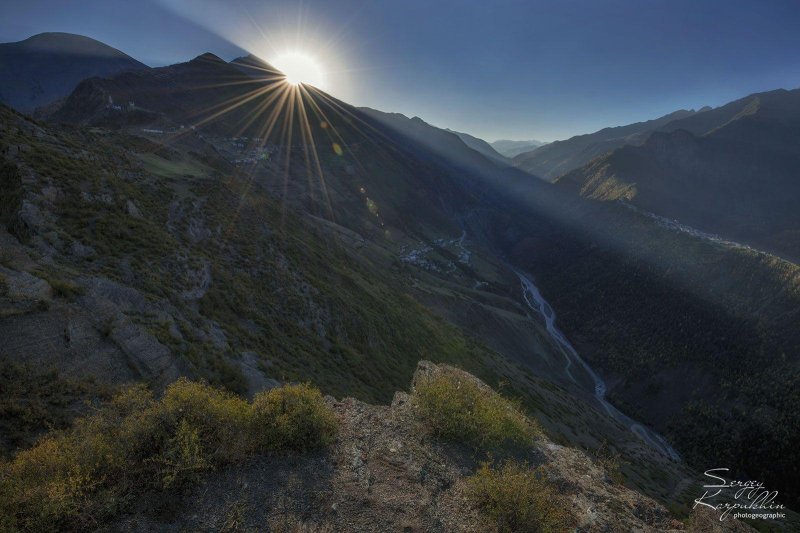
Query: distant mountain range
column 733, row 170
column 48, row 66
column 559, row 157
column 514, row 148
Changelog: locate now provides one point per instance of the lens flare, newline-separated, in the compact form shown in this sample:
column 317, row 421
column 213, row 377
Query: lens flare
column 300, row 68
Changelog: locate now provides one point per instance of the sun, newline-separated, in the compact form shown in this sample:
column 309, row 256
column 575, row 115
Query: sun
column 300, row 68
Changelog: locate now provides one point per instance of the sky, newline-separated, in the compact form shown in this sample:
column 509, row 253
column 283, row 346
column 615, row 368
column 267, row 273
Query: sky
column 535, row 69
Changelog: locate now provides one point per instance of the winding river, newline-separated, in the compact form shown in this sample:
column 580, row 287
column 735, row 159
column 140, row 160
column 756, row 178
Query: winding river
column 536, row 302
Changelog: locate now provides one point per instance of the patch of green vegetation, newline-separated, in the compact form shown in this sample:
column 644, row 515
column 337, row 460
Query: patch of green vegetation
column 280, row 286
column 517, row 498
column 10, row 192
column 59, row 281
column 456, row 408
column 372, row 334
column 610, row 461
column 82, row 477
column 293, row 417
column 165, row 168
column 34, row 400
column 64, row 288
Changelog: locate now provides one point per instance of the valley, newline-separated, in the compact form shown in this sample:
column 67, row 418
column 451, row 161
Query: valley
column 535, row 301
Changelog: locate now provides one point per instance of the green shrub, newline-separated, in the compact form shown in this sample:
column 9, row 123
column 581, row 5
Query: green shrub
column 62, row 288
column 183, row 458
column 293, row 417
column 457, row 408
column 610, row 462
column 80, row 478
column 36, row 398
column 10, row 190
column 222, row 420
column 48, row 486
column 518, row 498
column 66, row 289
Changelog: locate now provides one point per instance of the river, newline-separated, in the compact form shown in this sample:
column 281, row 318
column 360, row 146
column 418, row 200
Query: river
column 536, row 302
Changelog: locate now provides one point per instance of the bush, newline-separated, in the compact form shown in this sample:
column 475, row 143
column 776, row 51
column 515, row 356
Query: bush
column 610, row 462
column 518, row 498
column 293, row 417
column 34, row 398
column 46, row 486
column 10, row 190
column 457, row 408
column 65, row 289
column 223, row 421
column 79, row 478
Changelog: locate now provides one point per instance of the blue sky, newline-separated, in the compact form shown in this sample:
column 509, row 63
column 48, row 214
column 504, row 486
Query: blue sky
column 496, row 69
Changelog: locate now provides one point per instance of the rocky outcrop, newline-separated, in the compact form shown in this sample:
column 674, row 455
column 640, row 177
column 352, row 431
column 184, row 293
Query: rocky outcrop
column 385, row 472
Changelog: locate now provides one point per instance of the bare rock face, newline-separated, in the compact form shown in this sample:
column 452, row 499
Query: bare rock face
column 385, row 472
column 145, row 353
column 91, row 333
column 132, row 210
column 22, row 286
column 257, row 381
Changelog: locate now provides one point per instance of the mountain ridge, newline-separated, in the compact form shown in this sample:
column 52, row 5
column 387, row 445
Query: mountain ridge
column 558, row 157
column 66, row 58
column 731, row 171
column 481, row 146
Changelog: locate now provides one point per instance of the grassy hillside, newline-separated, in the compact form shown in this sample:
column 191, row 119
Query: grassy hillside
column 218, row 268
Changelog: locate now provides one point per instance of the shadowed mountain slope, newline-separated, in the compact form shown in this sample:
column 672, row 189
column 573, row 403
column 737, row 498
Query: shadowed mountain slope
column 163, row 257
column 48, row 66
column 448, row 145
column 559, row 157
column 733, row 171
column 481, row 146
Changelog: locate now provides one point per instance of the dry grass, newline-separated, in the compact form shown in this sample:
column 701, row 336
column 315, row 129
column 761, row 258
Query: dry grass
column 77, row 479
column 455, row 407
column 517, row 498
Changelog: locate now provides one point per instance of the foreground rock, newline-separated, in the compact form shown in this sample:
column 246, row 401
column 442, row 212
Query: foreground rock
column 386, row 473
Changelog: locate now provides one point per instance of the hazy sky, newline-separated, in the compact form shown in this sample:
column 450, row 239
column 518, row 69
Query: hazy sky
column 493, row 68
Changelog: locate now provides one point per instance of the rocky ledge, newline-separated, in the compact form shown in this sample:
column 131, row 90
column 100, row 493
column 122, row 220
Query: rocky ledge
column 386, row 472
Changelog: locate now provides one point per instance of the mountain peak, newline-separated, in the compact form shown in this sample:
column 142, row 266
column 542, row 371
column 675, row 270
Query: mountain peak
column 48, row 66
column 208, row 57
column 61, row 43
column 53, row 36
